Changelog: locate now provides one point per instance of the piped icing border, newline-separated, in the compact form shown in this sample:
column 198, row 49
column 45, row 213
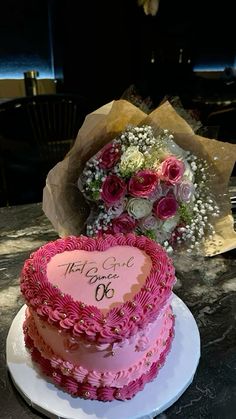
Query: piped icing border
column 95, row 378
column 88, row 391
column 86, row 321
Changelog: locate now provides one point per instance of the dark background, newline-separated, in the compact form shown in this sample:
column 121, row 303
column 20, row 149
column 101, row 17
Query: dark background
column 99, row 48
column 25, row 38
column 109, row 45
column 97, row 51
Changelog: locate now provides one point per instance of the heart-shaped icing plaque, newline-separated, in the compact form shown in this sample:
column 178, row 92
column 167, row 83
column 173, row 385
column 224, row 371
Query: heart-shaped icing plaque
column 100, row 278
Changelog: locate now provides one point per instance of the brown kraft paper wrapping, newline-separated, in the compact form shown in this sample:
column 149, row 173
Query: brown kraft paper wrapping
column 64, row 204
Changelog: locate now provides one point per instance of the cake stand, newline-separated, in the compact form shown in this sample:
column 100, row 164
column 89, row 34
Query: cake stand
column 172, row 380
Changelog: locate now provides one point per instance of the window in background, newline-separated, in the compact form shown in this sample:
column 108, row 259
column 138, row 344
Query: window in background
column 26, row 34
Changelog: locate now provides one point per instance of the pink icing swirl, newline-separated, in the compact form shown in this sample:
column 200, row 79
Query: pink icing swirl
column 106, row 392
column 57, row 378
column 142, row 343
column 55, row 362
column 96, row 378
column 80, row 373
column 87, row 321
column 71, row 386
column 107, row 379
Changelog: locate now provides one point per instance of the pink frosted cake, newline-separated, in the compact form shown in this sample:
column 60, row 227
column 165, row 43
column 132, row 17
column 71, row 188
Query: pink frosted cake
column 99, row 320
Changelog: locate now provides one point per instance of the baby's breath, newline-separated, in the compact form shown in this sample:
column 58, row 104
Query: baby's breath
column 142, row 149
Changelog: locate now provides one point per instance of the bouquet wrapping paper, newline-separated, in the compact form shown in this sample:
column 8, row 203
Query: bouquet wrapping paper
column 65, row 205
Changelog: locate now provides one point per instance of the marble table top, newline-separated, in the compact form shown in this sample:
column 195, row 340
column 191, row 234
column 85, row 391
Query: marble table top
column 206, row 285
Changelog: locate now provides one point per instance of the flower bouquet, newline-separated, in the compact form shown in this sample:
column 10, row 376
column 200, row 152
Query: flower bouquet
column 129, row 171
column 144, row 183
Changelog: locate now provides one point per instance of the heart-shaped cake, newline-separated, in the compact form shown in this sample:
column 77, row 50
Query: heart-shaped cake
column 99, row 319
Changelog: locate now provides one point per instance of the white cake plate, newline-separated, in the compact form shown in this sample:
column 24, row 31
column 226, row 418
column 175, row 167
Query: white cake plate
column 172, row 380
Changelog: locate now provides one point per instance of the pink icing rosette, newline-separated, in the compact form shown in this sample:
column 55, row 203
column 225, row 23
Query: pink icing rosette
column 88, row 385
column 142, row 343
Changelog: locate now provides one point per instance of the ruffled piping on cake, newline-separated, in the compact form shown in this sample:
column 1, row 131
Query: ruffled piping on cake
column 86, row 321
column 96, row 378
column 88, row 391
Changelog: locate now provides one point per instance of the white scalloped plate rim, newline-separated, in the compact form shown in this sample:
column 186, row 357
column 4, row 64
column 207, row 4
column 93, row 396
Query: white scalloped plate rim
column 172, row 381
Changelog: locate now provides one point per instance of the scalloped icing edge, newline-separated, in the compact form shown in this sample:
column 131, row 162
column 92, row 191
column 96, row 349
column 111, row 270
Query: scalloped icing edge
column 96, row 378
column 76, row 317
column 88, row 391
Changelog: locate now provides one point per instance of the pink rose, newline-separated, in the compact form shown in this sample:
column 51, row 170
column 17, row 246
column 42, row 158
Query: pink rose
column 143, row 183
column 185, row 191
column 123, row 224
column 142, row 344
column 113, row 189
column 172, row 170
column 149, row 223
column 166, row 207
column 168, row 189
column 118, row 208
column 109, row 156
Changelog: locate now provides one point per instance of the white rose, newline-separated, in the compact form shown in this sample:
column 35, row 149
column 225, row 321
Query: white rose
column 117, row 209
column 150, row 223
column 158, row 193
column 188, row 174
column 131, row 160
column 151, row 7
column 176, row 149
column 169, row 225
column 139, row 207
column 162, row 236
column 185, row 190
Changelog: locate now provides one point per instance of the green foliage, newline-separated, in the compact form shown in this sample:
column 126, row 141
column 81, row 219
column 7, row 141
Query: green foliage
column 94, row 188
column 185, row 213
column 150, row 234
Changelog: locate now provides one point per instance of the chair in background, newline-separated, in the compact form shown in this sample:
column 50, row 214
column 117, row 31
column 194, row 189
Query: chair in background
column 35, row 133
